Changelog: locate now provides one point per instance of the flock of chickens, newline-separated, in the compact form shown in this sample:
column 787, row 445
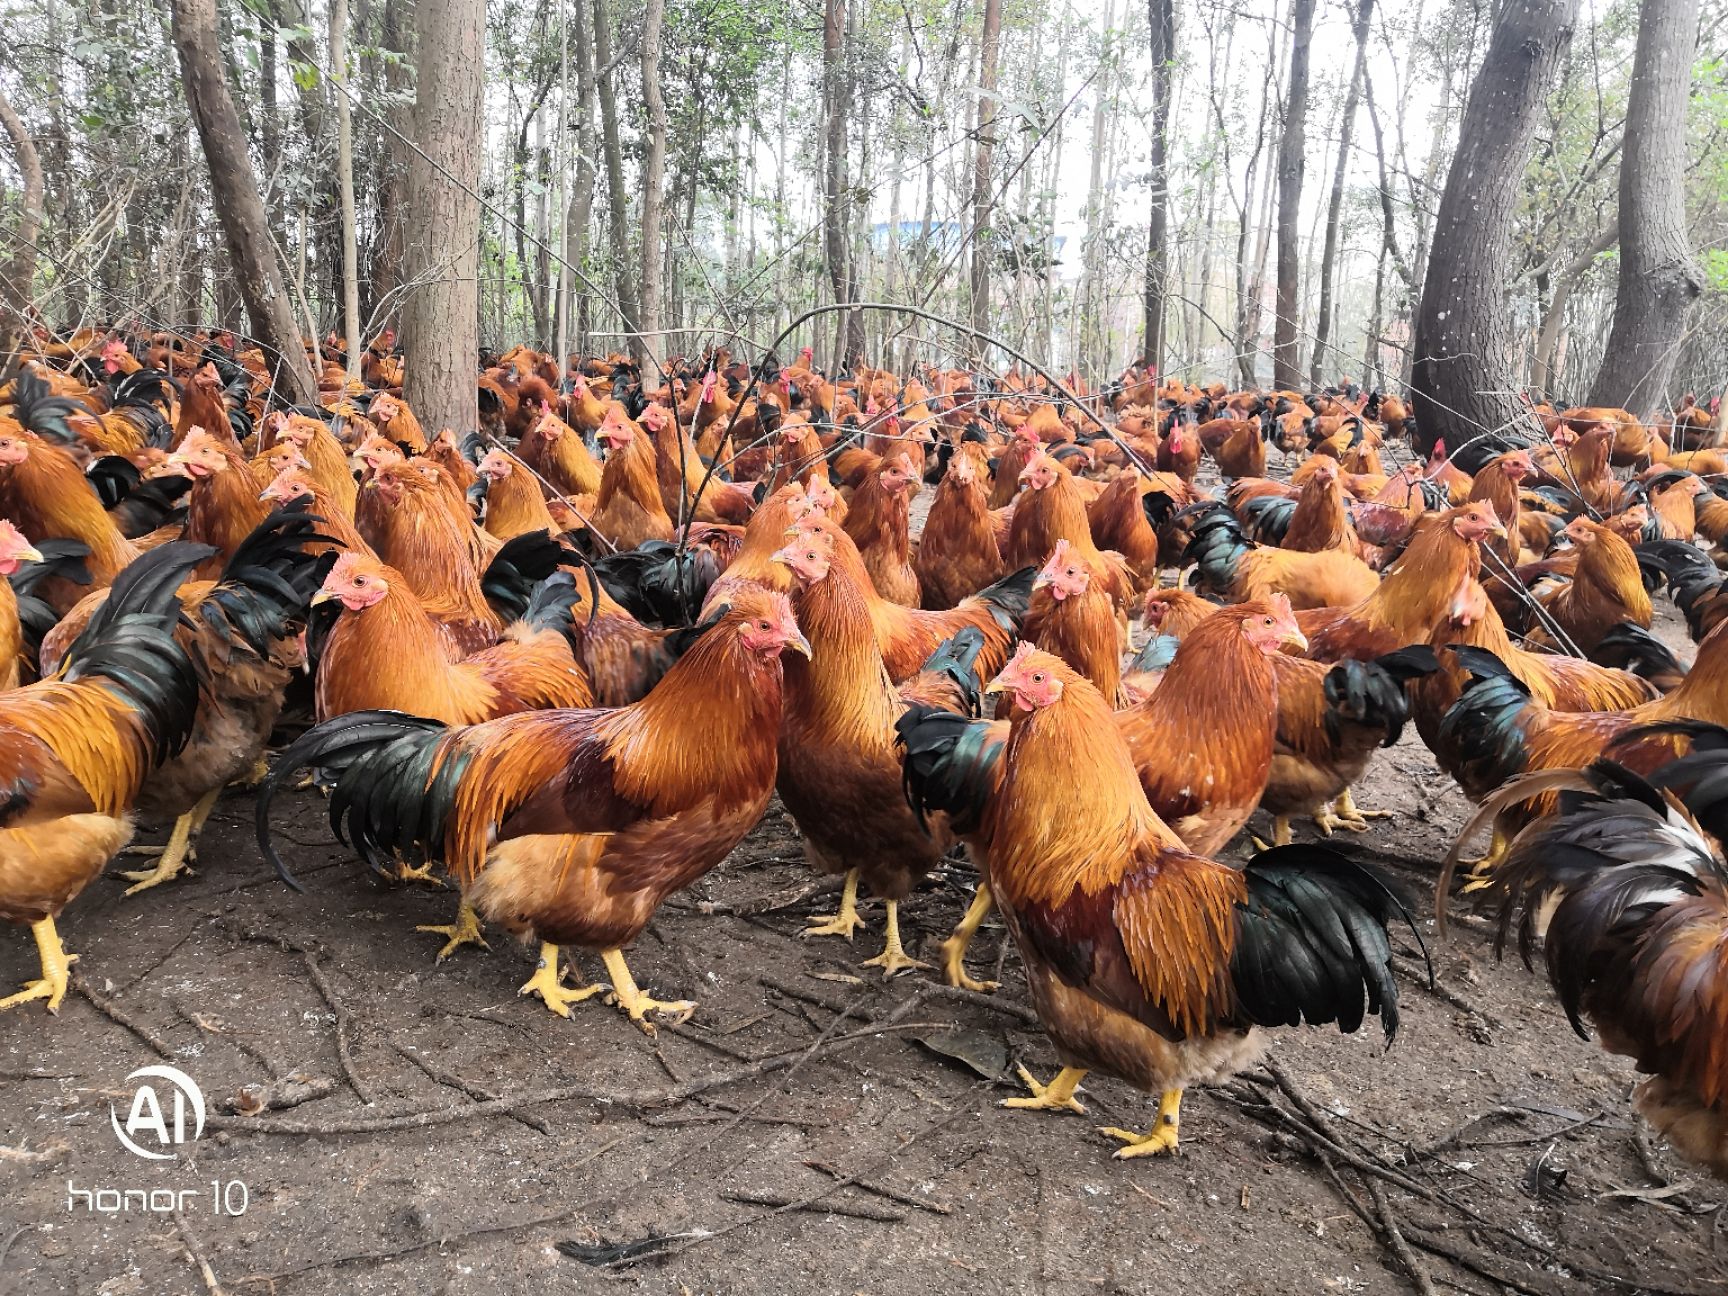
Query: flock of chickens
column 567, row 660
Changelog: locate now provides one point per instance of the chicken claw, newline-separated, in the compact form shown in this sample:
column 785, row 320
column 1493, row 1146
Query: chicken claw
column 407, row 873
column 954, row 948
column 56, row 969
column 1163, row 1137
column 1346, row 809
column 464, row 931
column 1058, row 1095
column 181, row 849
column 1325, row 820
column 547, row 983
column 846, row 921
column 894, row 958
column 628, row 996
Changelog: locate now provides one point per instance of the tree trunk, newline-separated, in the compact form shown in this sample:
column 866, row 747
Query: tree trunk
column 1162, row 16
column 345, row 184
column 1545, row 372
column 1461, row 378
column 834, row 195
column 441, row 317
column 619, row 233
column 385, row 269
column 17, row 285
column 582, row 196
column 1658, row 277
column 1286, row 345
column 982, row 240
column 653, row 173
column 234, row 194
column 1335, row 202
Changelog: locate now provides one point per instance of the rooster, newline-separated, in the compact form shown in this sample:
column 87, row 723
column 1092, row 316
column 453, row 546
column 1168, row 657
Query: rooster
column 879, row 522
column 78, row 746
column 1072, row 618
column 571, row 826
column 242, row 632
column 1150, row 963
column 959, row 552
column 1231, row 566
column 839, row 777
column 1629, row 894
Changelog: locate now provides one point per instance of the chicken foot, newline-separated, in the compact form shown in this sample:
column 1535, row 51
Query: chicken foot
column 628, row 996
column 56, row 969
column 894, row 957
column 464, row 931
column 1163, row 1137
column 549, row 984
column 1058, row 1095
column 1344, row 813
column 179, row 852
column 847, row 920
column 953, row 949
column 406, row 872
column 1281, row 834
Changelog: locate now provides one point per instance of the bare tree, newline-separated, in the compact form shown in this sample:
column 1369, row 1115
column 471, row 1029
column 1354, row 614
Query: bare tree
column 835, row 195
column 1286, row 345
column 617, row 231
column 1462, row 376
column 1335, row 202
column 984, row 152
column 345, row 183
column 1161, row 14
column 234, row 194
column 440, row 320
column 653, row 171
column 15, row 285
column 1658, row 277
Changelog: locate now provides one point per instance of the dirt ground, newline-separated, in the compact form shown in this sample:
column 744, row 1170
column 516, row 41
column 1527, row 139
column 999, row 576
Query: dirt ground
column 1490, row 1146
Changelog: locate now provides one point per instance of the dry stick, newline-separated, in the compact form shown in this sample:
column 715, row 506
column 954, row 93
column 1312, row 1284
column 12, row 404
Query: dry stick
column 451, row 1080
column 1395, row 1238
column 402, row 1252
column 859, row 1211
column 1440, row 990
column 869, row 1168
column 631, row 1098
column 343, row 1056
column 891, row 1194
column 196, row 1253
column 1476, row 1263
column 114, row 1013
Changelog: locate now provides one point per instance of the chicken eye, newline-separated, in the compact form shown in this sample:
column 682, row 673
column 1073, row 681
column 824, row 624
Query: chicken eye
column 359, row 580
column 1038, row 677
column 1268, row 620
column 763, row 625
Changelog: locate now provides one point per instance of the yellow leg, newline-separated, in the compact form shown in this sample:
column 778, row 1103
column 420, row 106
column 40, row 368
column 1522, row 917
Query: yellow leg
column 954, row 948
column 1058, row 1095
column 257, row 774
column 894, row 957
column 632, row 1000
column 1163, row 1136
column 550, row 986
column 423, row 873
column 464, row 931
column 56, row 968
column 1479, row 872
column 847, row 920
column 173, row 858
column 1347, row 809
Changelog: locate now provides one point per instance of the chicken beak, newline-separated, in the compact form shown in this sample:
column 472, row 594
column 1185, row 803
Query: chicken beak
column 1295, row 641
column 799, row 644
column 29, row 553
column 322, row 596
column 995, row 686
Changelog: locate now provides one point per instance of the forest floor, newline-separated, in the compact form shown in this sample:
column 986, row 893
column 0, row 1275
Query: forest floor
column 811, row 1130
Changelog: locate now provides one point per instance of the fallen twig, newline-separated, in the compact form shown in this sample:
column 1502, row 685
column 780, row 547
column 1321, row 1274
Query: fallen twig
column 120, row 1017
column 453, row 1081
column 343, row 1055
column 1418, row 975
column 858, row 1211
column 292, row 1090
column 196, row 1253
column 637, row 1099
column 890, row 1194
column 1395, row 1240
